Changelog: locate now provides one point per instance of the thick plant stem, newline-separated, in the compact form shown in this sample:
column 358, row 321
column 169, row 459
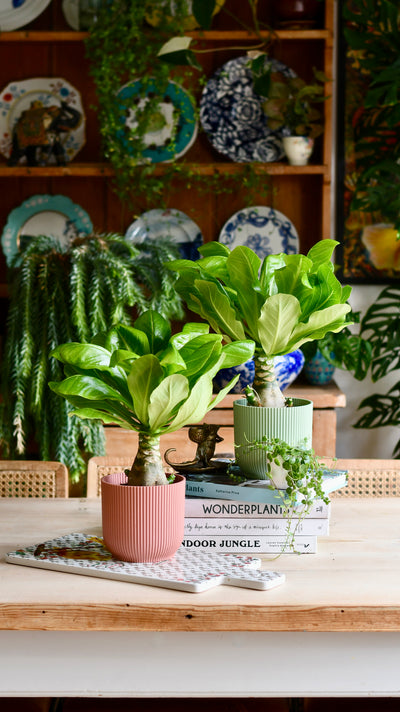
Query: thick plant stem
column 147, row 468
column 265, row 383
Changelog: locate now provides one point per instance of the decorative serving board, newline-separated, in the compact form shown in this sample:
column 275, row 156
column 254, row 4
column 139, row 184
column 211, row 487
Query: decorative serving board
column 186, row 571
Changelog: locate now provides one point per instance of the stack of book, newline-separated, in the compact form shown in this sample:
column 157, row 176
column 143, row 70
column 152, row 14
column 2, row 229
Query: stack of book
column 251, row 517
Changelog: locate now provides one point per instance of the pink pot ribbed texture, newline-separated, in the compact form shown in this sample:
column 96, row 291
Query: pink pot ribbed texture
column 142, row 523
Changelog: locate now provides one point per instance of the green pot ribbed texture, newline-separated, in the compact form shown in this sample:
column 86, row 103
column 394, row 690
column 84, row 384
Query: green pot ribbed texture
column 292, row 425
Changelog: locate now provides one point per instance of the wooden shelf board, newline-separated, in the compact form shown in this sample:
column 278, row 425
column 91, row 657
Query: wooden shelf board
column 105, row 170
column 244, row 36
column 209, row 36
column 43, row 36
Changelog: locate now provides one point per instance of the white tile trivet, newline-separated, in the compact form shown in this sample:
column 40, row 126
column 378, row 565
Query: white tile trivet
column 186, row 571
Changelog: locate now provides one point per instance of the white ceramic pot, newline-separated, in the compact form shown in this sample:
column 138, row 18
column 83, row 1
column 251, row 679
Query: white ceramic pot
column 298, row 149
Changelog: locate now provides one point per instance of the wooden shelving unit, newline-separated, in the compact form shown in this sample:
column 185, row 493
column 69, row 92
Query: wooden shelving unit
column 48, row 47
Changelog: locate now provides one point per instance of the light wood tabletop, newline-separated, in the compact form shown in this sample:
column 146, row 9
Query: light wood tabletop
column 351, row 584
column 333, row 629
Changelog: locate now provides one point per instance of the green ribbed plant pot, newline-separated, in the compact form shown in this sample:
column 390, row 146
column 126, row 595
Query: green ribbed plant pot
column 292, row 425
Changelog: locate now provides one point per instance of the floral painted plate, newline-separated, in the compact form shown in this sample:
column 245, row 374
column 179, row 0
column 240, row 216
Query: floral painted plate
column 17, row 13
column 231, row 114
column 172, row 224
column 54, row 215
column 265, row 230
column 172, row 127
column 41, row 92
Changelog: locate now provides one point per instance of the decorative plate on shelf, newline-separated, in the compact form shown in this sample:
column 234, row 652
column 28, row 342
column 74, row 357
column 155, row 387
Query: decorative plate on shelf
column 17, row 13
column 265, row 230
column 231, row 114
column 54, row 215
column 70, row 10
column 171, row 127
column 35, row 96
column 172, row 224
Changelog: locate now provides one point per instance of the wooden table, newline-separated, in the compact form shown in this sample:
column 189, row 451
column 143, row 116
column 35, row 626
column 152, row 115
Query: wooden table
column 332, row 629
column 326, row 399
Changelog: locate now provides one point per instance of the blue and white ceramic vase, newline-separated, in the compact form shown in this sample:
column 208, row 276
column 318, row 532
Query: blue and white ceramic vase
column 287, row 368
column 318, row 370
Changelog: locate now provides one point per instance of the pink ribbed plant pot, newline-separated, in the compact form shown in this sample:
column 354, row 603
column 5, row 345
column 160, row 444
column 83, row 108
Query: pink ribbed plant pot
column 142, row 524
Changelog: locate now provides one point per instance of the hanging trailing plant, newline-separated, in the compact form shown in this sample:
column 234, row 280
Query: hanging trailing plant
column 61, row 293
column 123, row 46
column 303, row 472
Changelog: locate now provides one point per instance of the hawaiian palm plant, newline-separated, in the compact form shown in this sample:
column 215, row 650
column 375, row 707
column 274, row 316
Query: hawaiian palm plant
column 69, row 293
column 143, row 378
column 280, row 302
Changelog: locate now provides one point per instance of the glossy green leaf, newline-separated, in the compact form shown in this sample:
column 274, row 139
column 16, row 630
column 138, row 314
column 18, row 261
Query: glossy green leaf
column 156, row 328
column 85, row 387
column 133, row 340
column 319, row 323
column 214, row 248
column 83, row 356
column 201, row 353
column 278, row 318
column 195, row 407
column 215, row 306
column 321, row 252
column 237, row 352
column 243, row 267
column 94, row 414
column 166, row 399
column 145, row 375
column 171, row 360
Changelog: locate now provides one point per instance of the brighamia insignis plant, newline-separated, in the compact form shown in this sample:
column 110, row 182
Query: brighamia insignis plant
column 280, row 303
column 144, row 378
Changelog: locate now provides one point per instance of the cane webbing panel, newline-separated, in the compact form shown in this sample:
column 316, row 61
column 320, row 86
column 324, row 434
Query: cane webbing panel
column 371, row 483
column 33, row 479
column 27, row 484
column 370, row 478
column 101, row 466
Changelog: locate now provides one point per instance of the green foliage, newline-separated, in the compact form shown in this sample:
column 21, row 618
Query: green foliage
column 280, row 302
column 63, row 293
column 381, row 327
column 345, row 350
column 122, row 47
column 373, row 37
column 304, row 475
column 145, row 379
column 289, row 101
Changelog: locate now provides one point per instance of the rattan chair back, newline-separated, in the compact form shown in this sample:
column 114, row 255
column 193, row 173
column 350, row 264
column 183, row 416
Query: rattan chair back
column 33, row 478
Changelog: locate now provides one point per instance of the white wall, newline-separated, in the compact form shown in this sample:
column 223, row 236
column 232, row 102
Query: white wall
column 354, row 442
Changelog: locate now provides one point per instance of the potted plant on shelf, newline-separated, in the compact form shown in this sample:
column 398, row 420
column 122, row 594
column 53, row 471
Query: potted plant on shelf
column 290, row 106
column 280, row 303
column 145, row 379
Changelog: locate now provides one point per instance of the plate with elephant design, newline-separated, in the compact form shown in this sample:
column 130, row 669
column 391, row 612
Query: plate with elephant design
column 42, row 122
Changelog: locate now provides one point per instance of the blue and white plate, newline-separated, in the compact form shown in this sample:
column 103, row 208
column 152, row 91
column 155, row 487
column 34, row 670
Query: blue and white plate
column 232, row 116
column 53, row 215
column 173, row 125
column 265, row 230
column 17, row 13
column 172, row 224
